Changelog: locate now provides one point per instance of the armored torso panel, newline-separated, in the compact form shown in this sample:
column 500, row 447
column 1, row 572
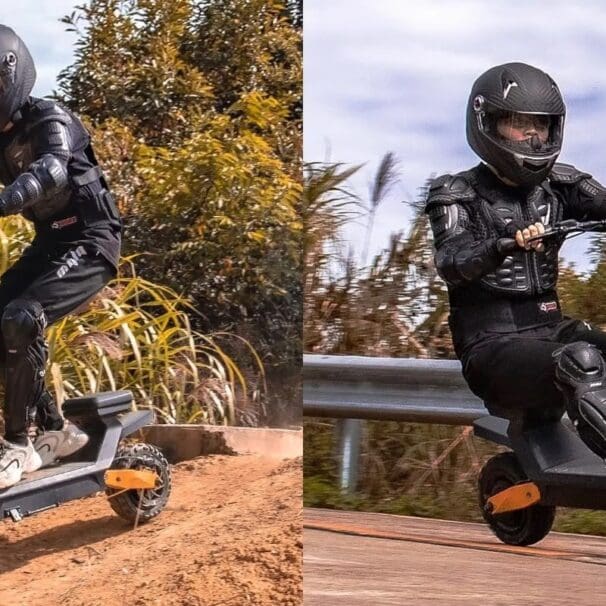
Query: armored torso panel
column 524, row 272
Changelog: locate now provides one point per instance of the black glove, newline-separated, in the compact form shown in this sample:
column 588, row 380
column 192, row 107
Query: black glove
column 509, row 230
column 507, row 245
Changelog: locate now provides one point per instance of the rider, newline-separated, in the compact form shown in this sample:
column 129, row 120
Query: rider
column 517, row 349
column 52, row 178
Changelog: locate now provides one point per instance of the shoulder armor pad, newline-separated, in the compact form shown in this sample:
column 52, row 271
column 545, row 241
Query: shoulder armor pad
column 45, row 110
column 449, row 189
column 567, row 173
column 592, row 188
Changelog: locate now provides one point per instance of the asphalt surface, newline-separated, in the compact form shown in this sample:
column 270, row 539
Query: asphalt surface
column 356, row 559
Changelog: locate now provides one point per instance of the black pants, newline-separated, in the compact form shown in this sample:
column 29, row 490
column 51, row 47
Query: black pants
column 59, row 281
column 517, row 371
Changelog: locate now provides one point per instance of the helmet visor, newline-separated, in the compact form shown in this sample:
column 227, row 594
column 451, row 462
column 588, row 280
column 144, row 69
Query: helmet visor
column 533, row 138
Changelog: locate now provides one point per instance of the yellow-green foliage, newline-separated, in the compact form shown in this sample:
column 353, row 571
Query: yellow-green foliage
column 129, row 66
column 196, row 109
column 222, row 207
column 15, row 234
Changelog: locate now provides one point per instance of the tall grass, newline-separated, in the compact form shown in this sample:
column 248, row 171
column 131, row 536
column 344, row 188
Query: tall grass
column 136, row 335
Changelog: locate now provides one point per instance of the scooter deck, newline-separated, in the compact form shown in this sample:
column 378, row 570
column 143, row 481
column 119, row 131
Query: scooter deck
column 53, row 471
column 73, row 479
column 49, row 487
column 568, row 473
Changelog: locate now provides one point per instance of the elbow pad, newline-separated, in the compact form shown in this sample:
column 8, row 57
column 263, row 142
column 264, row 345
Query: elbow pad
column 460, row 257
column 44, row 178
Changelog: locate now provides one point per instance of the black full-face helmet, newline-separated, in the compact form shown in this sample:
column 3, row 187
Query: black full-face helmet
column 516, row 93
column 17, row 74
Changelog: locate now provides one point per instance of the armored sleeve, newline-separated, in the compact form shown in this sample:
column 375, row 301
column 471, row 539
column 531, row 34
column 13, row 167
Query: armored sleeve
column 47, row 175
column 460, row 256
column 584, row 197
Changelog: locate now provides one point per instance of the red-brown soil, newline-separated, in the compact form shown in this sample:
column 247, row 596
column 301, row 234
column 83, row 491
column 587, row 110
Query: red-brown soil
column 230, row 535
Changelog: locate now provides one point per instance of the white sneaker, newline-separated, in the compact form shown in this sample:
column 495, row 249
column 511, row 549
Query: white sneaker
column 53, row 445
column 15, row 460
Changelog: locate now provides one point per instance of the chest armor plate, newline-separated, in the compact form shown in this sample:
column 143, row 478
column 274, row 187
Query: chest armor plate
column 526, row 273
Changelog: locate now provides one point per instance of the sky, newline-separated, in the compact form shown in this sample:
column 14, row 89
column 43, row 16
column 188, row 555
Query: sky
column 37, row 23
column 395, row 76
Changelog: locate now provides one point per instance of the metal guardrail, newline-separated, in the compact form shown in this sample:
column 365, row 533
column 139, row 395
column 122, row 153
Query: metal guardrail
column 388, row 389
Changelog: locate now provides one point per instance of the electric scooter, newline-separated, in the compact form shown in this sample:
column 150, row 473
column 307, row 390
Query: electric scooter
column 135, row 476
column 548, row 465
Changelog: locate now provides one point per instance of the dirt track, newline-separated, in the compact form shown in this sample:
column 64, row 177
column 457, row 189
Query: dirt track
column 231, row 535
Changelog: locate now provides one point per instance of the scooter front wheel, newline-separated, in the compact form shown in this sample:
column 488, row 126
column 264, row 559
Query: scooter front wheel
column 144, row 504
column 523, row 526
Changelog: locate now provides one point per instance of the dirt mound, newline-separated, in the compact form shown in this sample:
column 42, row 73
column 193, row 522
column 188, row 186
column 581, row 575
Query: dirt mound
column 231, row 535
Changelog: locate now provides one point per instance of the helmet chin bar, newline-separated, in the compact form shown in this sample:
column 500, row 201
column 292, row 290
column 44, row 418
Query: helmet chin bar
column 535, row 164
column 534, row 167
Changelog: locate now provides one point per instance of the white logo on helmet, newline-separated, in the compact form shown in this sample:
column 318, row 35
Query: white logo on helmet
column 509, row 86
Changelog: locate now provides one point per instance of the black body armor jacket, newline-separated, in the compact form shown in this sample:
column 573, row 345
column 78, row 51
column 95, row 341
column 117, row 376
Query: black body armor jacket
column 51, row 176
column 494, row 293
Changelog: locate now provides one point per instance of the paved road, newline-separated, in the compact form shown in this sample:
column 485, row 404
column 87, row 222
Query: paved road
column 355, row 559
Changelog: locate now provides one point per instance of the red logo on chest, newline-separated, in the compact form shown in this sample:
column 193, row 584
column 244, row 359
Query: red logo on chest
column 64, row 222
column 548, row 306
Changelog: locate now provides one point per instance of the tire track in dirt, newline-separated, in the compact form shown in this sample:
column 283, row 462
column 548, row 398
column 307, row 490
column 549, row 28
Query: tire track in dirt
column 230, row 535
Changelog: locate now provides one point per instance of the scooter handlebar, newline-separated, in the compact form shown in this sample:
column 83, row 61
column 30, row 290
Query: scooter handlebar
column 569, row 226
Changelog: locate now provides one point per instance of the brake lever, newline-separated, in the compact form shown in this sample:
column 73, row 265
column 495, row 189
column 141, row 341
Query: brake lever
column 563, row 228
column 548, row 234
column 570, row 226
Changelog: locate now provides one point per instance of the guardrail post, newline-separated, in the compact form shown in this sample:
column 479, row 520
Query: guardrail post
column 350, row 434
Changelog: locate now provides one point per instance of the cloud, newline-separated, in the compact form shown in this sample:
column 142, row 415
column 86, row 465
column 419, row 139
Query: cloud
column 37, row 23
column 381, row 77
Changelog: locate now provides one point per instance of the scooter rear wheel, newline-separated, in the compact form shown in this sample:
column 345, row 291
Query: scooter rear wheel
column 141, row 505
column 521, row 527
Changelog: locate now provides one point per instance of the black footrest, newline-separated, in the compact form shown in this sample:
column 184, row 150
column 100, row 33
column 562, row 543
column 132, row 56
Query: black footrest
column 493, row 429
column 102, row 404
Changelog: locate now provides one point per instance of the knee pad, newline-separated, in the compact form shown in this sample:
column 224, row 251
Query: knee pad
column 579, row 364
column 581, row 376
column 22, row 323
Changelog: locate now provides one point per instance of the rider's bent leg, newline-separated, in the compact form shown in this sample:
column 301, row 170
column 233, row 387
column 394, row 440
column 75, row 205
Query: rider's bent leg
column 67, row 282
column 581, row 376
column 61, row 293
